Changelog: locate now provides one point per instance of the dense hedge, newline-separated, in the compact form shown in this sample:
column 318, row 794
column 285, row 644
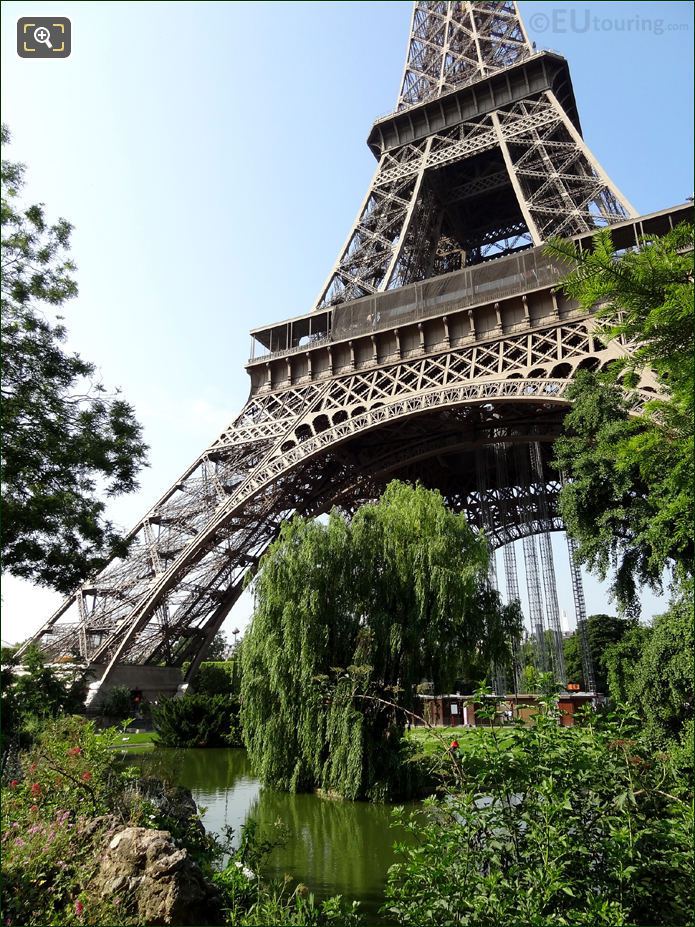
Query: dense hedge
column 198, row 720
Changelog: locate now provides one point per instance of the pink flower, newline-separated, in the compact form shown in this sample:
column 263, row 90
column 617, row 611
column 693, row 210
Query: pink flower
column 86, row 776
column 18, row 842
column 79, row 908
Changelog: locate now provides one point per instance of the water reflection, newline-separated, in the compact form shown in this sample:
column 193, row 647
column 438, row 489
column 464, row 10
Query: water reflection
column 334, row 847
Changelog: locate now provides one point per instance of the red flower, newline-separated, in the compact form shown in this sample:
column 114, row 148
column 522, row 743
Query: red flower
column 34, row 808
column 14, row 783
column 74, row 751
column 86, row 776
column 79, row 908
column 35, row 789
column 32, row 768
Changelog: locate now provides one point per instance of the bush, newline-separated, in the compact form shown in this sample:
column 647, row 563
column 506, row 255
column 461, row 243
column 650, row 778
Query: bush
column 39, row 692
column 198, row 721
column 52, row 814
column 218, row 678
column 551, row 825
column 117, row 703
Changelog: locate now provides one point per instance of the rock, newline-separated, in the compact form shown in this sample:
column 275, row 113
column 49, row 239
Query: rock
column 93, row 827
column 156, row 880
column 173, row 802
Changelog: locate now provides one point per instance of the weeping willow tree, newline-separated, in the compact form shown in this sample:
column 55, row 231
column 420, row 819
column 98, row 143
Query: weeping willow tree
column 351, row 613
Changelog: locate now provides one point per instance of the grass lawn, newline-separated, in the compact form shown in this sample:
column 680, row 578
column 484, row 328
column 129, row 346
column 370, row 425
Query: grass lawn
column 136, row 740
column 438, row 740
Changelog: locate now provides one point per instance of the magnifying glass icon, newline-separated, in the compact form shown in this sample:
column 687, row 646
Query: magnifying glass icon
column 43, row 36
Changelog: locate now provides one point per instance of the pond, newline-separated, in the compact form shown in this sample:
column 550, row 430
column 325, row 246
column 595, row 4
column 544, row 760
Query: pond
column 334, row 847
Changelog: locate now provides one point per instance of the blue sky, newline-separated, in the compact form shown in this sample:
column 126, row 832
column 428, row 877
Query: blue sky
column 212, row 157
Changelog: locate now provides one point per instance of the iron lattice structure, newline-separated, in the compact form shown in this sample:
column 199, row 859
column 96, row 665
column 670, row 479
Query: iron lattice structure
column 421, row 354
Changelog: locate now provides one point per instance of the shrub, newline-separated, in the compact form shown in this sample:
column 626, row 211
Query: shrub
column 117, row 703
column 551, row 825
column 38, row 692
column 52, row 813
column 218, row 678
column 198, row 721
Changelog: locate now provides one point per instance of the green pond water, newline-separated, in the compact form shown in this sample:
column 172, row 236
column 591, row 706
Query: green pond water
column 334, row 847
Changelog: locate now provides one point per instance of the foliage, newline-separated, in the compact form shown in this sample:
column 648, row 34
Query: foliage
column 8, row 654
column 350, row 610
column 621, row 660
column 219, row 648
column 197, row 720
column 663, row 685
column 37, row 691
column 52, row 811
column 551, row 825
column 653, row 672
column 66, row 442
column 117, row 703
column 218, row 678
column 65, row 798
column 629, row 497
column 529, row 677
column 602, row 632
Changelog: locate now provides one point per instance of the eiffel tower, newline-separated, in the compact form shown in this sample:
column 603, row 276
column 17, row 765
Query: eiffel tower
column 439, row 349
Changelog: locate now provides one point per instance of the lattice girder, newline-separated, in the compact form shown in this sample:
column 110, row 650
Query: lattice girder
column 452, row 44
column 537, row 177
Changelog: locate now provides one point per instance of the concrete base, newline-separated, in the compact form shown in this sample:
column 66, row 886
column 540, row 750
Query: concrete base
column 154, row 682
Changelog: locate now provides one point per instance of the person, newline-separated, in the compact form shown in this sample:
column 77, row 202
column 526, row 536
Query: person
column 136, row 696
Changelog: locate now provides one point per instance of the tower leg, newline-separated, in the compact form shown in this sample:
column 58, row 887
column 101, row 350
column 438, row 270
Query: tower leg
column 512, row 584
column 497, row 669
column 548, row 568
column 508, row 553
column 535, row 602
column 580, row 615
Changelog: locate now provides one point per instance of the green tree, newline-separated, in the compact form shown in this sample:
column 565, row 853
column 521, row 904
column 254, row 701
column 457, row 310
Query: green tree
column 602, row 632
column 67, row 443
column 621, row 660
column 219, row 648
column 662, row 685
column 37, row 692
column 353, row 610
column 628, row 499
